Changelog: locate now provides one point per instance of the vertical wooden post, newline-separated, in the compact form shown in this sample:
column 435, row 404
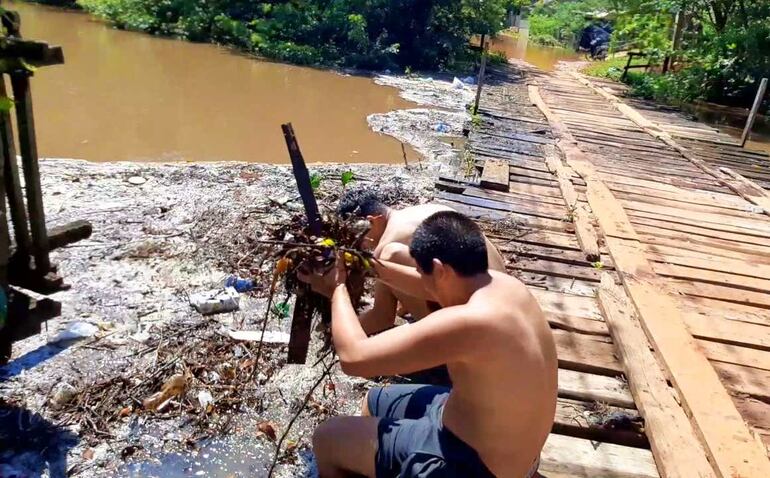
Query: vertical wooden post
column 480, row 80
column 29, row 159
column 753, row 112
column 5, row 241
column 12, row 183
column 676, row 40
column 302, row 176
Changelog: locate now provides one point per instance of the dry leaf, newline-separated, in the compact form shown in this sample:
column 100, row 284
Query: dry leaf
column 291, row 446
column 267, row 429
column 173, row 387
column 124, row 412
column 88, row 454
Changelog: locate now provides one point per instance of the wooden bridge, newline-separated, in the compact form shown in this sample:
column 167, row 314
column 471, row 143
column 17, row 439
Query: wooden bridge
column 646, row 238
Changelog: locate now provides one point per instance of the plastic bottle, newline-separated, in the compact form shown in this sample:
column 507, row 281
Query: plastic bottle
column 239, row 284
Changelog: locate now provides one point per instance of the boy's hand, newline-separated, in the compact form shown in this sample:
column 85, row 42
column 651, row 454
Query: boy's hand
column 326, row 284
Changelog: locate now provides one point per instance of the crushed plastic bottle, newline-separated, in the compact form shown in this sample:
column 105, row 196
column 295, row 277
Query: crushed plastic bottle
column 239, row 284
column 216, row 301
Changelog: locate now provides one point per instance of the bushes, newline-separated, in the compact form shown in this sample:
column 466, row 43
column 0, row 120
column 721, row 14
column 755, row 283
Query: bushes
column 362, row 33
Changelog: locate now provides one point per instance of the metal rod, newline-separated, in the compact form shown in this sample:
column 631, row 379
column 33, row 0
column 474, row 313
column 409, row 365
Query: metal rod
column 753, row 113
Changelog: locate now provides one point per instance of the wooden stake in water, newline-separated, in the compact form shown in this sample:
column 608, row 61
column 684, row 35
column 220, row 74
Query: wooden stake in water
column 753, row 113
column 482, row 68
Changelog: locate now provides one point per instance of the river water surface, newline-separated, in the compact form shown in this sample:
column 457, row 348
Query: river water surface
column 131, row 96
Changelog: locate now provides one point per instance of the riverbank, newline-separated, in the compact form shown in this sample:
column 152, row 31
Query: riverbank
column 177, row 233
column 161, row 233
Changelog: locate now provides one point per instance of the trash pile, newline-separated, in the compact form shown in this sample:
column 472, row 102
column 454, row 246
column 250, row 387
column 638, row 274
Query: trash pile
column 191, row 370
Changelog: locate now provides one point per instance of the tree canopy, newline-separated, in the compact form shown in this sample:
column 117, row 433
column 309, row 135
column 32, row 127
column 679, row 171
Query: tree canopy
column 362, row 33
column 723, row 54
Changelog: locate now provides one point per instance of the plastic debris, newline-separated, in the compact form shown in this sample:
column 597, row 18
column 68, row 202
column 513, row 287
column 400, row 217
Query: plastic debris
column 469, row 80
column 457, row 84
column 442, row 128
column 64, row 394
column 137, row 180
column 205, row 399
column 216, row 301
column 270, row 337
column 239, row 284
column 75, row 331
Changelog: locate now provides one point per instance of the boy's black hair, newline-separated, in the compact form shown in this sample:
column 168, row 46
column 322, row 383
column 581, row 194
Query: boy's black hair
column 453, row 239
column 361, row 203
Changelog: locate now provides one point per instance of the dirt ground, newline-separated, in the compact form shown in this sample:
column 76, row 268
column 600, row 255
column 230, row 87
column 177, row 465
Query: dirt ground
column 161, row 233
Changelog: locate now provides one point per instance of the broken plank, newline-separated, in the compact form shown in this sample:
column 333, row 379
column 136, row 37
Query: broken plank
column 495, row 175
column 581, row 419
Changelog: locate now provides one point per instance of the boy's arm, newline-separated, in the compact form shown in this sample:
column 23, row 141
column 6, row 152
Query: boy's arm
column 443, row 336
column 382, row 315
column 402, row 278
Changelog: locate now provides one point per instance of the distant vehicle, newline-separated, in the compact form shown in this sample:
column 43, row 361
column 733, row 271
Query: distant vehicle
column 595, row 40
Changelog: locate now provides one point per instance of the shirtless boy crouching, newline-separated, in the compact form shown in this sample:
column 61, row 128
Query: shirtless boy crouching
column 499, row 351
column 388, row 239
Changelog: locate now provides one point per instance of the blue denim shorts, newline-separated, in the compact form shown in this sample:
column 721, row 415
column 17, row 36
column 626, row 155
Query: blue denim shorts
column 413, row 442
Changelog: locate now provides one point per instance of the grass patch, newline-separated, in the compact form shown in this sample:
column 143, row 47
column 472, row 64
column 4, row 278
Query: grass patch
column 611, row 68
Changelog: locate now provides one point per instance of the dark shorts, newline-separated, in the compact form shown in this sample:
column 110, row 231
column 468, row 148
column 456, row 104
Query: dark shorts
column 412, row 439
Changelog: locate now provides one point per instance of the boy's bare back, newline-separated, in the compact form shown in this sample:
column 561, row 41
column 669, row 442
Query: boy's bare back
column 504, row 396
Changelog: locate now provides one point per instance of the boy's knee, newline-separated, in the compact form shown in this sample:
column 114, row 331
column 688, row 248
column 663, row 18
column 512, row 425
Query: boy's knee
column 322, row 435
column 395, row 252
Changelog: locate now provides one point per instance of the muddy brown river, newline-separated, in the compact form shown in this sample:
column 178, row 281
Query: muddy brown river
column 131, row 96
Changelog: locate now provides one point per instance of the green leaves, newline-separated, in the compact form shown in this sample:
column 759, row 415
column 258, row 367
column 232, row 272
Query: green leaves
column 5, row 104
column 347, row 177
column 315, row 181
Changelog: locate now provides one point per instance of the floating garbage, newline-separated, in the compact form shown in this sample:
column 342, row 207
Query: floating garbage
column 75, row 331
column 457, row 84
column 216, row 301
column 442, row 128
column 239, row 284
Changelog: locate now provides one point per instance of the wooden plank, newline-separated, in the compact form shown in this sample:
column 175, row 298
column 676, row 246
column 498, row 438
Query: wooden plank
column 586, row 420
column 12, row 181
column 760, row 228
column 651, row 233
column 557, row 303
column 677, row 450
column 594, row 388
column 749, row 190
column 564, row 456
column 725, row 437
column 29, row 158
column 495, row 175
column 727, row 294
column 586, row 353
column 512, row 211
column 726, row 278
column 745, row 188
column 728, row 442
column 586, row 235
